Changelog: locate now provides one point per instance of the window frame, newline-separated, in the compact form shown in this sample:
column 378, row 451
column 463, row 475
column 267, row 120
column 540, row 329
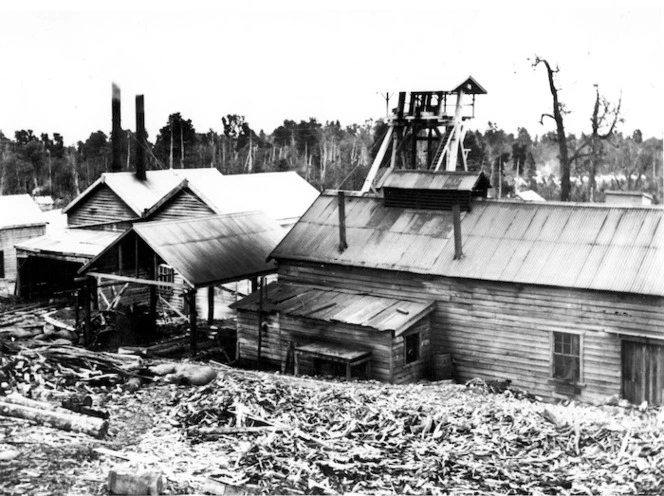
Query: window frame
column 165, row 273
column 418, row 351
column 579, row 356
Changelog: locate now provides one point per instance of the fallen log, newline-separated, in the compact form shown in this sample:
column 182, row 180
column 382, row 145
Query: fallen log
column 47, row 414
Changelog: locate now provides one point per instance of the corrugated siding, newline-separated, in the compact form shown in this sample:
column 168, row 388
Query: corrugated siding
column 11, row 237
column 102, row 205
column 503, row 331
column 586, row 247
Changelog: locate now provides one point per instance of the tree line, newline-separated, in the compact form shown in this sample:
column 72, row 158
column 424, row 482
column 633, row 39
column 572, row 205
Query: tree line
column 332, row 156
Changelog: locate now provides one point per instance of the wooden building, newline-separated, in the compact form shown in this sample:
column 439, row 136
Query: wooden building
column 171, row 261
column 564, row 300
column 20, row 219
column 116, row 201
column 311, row 327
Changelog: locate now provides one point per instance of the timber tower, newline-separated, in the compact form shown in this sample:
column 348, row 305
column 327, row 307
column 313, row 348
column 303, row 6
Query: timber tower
column 426, row 132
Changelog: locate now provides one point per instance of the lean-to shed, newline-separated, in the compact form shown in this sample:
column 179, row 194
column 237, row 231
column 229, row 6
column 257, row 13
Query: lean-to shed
column 315, row 326
column 563, row 299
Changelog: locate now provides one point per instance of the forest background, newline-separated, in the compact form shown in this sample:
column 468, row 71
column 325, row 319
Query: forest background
column 334, row 156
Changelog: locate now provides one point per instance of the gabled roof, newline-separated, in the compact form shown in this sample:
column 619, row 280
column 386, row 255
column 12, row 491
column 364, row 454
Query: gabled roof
column 430, row 180
column 208, row 250
column 586, row 246
column 284, row 196
column 470, row 87
column 143, row 195
column 20, row 211
column 331, row 305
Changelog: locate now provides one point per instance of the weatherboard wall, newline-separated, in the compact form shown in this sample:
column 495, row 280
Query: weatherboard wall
column 8, row 239
column 286, row 332
column 504, row 331
column 101, row 206
column 182, row 205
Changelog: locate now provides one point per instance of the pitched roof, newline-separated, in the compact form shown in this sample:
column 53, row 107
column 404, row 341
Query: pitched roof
column 20, row 211
column 213, row 249
column 331, row 305
column 471, row 87
column 143, row 195
column 284, row 196
column 586, row 246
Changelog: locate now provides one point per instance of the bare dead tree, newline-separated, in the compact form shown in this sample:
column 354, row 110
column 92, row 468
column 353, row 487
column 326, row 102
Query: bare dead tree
column 604, row 120
column 557, row 116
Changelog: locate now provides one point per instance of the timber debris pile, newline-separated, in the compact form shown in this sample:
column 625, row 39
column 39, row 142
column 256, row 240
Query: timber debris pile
column 263, row 433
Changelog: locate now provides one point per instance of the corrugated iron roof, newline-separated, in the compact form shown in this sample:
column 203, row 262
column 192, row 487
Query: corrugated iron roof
column 423, row 179
column 361, row 309
column 212, row 249
column 77, row 243
column 284, row 196
column 587, row 246
column 20, row 211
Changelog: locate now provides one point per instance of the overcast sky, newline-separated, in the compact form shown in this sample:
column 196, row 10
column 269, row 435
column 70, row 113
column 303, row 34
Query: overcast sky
column 277, row 60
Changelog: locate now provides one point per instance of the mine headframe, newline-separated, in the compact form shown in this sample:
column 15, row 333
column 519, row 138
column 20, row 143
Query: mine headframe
column 426, row 132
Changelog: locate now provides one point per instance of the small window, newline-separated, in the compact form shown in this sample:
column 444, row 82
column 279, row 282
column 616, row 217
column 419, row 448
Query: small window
column 165, row 273
column 412, row 348
column 566, row 357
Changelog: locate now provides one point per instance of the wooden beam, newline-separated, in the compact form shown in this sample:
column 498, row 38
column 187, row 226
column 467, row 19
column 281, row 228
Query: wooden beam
column 377, row 161
column 147, row 282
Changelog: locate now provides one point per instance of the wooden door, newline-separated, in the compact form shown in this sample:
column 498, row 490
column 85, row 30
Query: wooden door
column 643, row 372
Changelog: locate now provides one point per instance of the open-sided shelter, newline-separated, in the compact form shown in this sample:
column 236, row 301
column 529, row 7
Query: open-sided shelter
column 170, row 260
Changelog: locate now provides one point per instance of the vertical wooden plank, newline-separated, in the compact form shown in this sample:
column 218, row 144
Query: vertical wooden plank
column 191, row 295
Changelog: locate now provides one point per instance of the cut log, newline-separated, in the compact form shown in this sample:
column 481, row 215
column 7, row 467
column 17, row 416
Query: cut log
column 55, row 417
column 120, row 482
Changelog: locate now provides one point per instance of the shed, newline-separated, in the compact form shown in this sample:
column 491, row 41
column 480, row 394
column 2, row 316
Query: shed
column 167, row 260
column 627, row 198
column 48, row 264
column 20, row 219
column 563, row 299
column 321, row 325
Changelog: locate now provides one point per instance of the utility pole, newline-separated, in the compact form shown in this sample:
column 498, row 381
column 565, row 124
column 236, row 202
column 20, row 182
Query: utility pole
column 170, row 157
column 387, row 97
column 181, row 148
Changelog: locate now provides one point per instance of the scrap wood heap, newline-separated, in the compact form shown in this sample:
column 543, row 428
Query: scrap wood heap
column 306, row 437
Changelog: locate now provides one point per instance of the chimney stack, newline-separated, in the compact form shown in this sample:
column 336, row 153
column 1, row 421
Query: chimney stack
column 456, row 219
column 342, row 222
column 116, row 159
column 140, row 137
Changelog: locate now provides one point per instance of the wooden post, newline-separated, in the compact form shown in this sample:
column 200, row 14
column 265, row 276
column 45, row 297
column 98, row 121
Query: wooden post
column 456, row 215
column 210, row 318
column 153, row 310
column 260, row 323
column 191, row 295
column 87, row 299
column 254, row 284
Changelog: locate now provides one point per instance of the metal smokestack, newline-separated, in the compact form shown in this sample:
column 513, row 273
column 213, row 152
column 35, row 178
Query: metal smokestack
column 140, row 137
column 116, row 159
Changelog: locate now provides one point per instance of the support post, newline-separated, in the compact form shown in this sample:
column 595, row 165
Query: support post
column 210, row 317
column 191, row 296
column 87, row 330
column 260, row 323
column 153, row 310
